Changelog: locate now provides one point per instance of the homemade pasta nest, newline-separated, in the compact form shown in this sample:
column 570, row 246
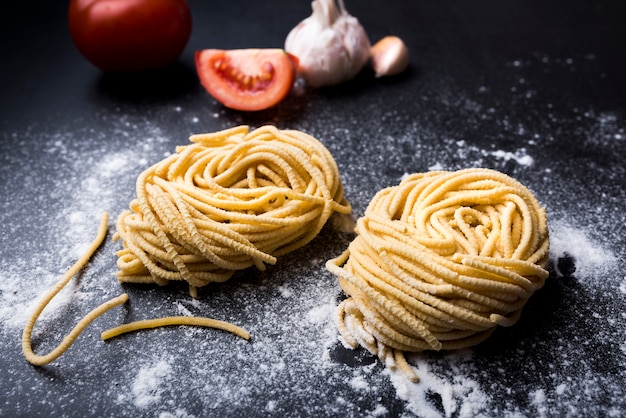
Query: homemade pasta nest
column 439, row 261
column 230, row 200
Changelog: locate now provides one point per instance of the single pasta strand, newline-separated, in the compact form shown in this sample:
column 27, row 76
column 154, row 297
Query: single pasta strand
column 41, row 360
column 438, row 262
column 175, row 320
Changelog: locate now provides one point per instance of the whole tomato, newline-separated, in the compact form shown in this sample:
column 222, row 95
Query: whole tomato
column 130, row 35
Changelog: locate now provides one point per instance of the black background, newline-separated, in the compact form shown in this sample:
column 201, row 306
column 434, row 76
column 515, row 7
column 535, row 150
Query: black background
column 545, row 79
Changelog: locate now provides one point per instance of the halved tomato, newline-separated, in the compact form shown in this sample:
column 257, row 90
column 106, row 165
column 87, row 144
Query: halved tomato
column 247, row 79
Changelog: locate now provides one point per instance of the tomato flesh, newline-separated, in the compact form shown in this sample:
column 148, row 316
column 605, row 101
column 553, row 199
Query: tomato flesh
column 246, row 79
column 130, row 35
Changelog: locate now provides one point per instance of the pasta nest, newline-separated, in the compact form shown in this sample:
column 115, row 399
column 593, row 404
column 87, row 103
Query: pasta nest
column 230, row 200
column 440, row 260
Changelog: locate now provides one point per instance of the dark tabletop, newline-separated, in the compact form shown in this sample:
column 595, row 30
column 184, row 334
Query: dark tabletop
column 531, row 88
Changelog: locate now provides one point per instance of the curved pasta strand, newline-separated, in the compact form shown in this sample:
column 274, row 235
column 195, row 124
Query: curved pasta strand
column 41, row 360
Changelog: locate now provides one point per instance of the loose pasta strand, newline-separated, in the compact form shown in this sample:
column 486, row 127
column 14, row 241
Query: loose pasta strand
column 41, row 360
column 438, row 262
column 172, row 321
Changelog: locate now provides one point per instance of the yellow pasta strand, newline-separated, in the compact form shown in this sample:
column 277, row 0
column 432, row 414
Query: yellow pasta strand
column 228, row 201
column 438, row 262
column 404, row 366
column 40, row 360
column 175, row 320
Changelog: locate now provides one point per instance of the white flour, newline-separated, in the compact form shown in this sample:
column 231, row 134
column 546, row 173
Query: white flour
column 148, row 385
column 592, row 260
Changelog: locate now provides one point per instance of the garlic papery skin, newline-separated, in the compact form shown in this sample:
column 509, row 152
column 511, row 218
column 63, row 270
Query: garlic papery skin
column 331, row 45
column 390, row 56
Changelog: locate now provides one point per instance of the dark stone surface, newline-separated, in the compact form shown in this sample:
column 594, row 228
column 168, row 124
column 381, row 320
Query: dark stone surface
column 534, row 89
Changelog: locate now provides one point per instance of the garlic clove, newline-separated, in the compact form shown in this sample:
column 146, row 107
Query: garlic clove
column 331, row 45
column 389, row 56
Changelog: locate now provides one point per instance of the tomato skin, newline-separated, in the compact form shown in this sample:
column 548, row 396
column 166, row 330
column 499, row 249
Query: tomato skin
column 247, row 79
column 130, row 35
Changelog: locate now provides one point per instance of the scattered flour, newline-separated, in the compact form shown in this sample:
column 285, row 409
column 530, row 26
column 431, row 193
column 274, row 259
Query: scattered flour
column 285, row 291
column 435, row 167
column 182, row 309
column 178, row 413
column 458, row 395
column 538, row 400
column 379, row 411
column 359, row 383
column 147, row 387
column 321, row 314
column 271, row 406
column 519, row 156
column 591, row 258
column 88, row 183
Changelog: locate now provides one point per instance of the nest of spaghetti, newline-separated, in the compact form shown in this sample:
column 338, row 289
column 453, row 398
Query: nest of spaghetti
column 440, row 261
column 228, row 201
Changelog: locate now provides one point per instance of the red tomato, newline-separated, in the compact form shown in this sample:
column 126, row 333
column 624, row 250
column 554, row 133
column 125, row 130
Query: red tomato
column 246, row 79
column 130, row 35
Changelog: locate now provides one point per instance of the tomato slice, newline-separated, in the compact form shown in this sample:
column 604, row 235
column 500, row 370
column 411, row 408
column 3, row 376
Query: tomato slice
column 247, row 79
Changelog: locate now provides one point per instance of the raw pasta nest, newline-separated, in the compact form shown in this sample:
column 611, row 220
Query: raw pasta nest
column 230, row 200
column 439, row 261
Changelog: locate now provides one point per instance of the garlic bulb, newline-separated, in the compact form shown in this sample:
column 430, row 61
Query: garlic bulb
column 331, row 45
column 390, row 56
